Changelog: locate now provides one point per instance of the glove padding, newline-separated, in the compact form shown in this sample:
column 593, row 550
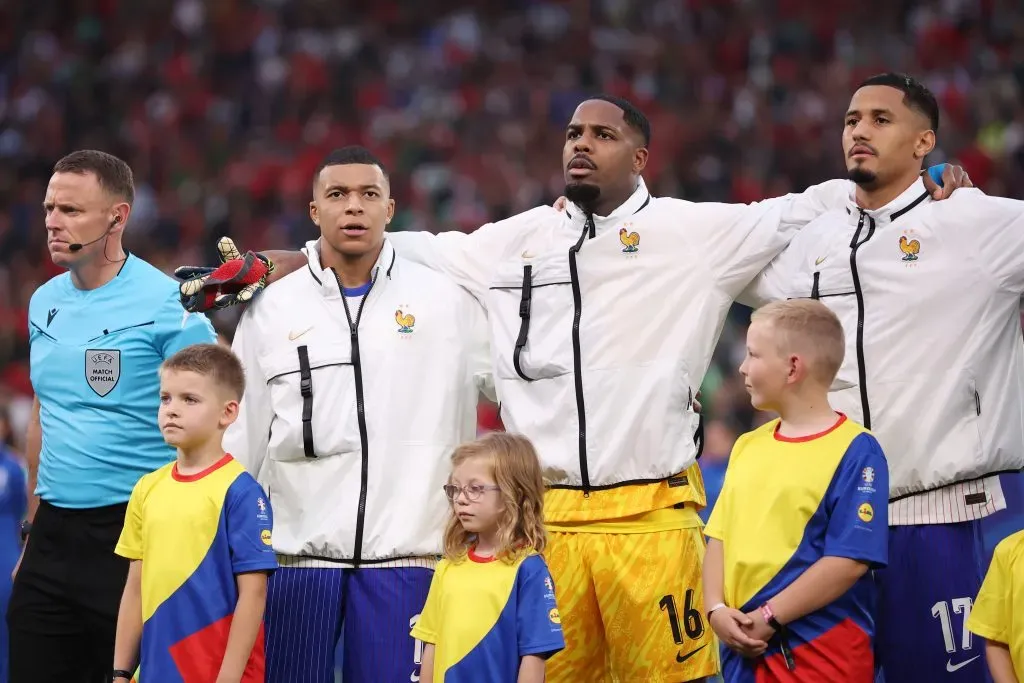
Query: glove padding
column 236, row 280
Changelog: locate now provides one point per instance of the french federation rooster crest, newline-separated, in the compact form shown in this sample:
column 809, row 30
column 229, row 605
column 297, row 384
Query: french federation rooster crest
column 631, row 240
column 405, row 321
column 910, row 249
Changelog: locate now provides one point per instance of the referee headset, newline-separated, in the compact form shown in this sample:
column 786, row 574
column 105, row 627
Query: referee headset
column 78, row 246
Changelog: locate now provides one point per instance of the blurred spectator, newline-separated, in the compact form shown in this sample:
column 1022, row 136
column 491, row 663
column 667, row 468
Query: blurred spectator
column 13, row 501
column 225, row 108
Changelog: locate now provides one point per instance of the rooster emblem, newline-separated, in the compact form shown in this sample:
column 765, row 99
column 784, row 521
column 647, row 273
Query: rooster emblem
column 910, row 249
column 631, row 240
column 405, row 321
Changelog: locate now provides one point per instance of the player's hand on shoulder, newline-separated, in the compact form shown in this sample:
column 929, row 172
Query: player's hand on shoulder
column 237, row 279
column 942, row 180
column 730, row 625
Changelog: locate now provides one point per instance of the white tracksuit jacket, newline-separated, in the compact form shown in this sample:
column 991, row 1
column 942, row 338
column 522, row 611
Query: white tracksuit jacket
column 601, row 334
column 928, row 293
column 389, row 399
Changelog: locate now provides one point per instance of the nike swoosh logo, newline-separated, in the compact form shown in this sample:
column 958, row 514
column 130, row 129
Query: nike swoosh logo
column 292, row 336
column 818, row 261
column 682, row 658
column 527, row 255
column 951, row 667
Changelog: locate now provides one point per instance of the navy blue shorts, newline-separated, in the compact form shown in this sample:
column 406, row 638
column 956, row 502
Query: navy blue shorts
column 925, row 596
column 370, row 610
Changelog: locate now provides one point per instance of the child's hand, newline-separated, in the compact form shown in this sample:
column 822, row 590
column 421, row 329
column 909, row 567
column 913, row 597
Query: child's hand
column 730, row 625
column 758, row 628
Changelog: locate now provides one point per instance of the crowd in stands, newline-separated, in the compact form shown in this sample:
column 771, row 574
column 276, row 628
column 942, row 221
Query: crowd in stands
column 224, row 109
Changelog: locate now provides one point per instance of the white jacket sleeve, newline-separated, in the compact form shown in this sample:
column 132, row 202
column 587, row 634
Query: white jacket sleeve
column 739, row 240
column 992, row 228
column 248, row 436
column 467, row 258
column 768, row 286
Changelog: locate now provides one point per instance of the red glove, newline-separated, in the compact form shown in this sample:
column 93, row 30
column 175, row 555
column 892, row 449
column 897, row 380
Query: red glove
column 236, row 280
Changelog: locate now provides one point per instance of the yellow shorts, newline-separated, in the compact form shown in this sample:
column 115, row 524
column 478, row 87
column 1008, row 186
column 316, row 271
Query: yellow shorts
column 632, row 607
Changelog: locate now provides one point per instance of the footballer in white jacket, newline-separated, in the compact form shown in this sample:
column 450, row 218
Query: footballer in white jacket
column 603, row 319
column 929, row 297
column 362, row 376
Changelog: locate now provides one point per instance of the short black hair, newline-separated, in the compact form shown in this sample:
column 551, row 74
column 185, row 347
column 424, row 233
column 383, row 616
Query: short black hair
column 353, row 154
column 915, row 95
column 633, row 117
column 114, row 175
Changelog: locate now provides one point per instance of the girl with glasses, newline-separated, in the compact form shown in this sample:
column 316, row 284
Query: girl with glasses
column 491, row 612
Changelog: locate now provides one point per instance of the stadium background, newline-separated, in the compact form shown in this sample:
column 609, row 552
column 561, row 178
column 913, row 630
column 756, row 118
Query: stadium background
column 223, row 109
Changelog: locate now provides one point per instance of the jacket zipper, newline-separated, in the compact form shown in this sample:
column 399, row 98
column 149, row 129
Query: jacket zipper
column 357, row 370
column 862, row 375
column 588, row 229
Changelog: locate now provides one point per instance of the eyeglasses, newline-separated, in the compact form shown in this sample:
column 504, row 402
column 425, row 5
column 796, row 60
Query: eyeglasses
column 473, row 491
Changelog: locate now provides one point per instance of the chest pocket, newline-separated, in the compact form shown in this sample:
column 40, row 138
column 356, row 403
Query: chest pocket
column 531, row 311
column 830, row 276
column 831, row 281
column 313, row 393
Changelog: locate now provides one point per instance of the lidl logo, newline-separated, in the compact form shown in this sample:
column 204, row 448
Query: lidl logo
column 265, row 536
column 866, row 512
column 554, row 616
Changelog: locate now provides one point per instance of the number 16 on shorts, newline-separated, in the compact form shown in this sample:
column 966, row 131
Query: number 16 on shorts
column 692, row 622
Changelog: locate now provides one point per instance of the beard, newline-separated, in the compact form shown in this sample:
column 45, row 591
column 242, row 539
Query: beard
column 583, row 195
column 862, row 177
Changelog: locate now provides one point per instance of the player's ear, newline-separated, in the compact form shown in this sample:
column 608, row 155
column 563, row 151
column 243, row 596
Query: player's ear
column 797, row 369
column 391, row 211
column 120, row 216
column 924, row 144
column 314, row 214
column 229, row 413
column 640, row 159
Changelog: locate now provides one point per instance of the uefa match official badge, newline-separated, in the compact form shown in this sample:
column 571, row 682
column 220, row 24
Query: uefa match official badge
column 102, row 370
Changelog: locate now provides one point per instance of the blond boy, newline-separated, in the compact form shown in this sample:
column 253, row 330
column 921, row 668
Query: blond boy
column 198, row 534
column 801, row 517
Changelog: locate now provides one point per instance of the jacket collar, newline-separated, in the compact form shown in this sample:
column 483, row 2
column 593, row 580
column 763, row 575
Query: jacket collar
column 908, row 199
column 328, row 281
column 640, row 198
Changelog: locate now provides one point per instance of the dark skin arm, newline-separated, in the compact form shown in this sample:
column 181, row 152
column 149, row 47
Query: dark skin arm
column 285, row 262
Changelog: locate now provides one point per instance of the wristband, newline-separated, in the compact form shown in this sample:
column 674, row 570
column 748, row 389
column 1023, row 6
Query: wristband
column 121, row 673
column 769, row 617
column 717, row 605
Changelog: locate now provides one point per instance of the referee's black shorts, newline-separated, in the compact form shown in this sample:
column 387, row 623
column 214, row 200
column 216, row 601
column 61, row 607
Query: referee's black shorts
column 62, row 615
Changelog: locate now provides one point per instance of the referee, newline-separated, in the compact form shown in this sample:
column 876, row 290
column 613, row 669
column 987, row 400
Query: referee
column 98, row 334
